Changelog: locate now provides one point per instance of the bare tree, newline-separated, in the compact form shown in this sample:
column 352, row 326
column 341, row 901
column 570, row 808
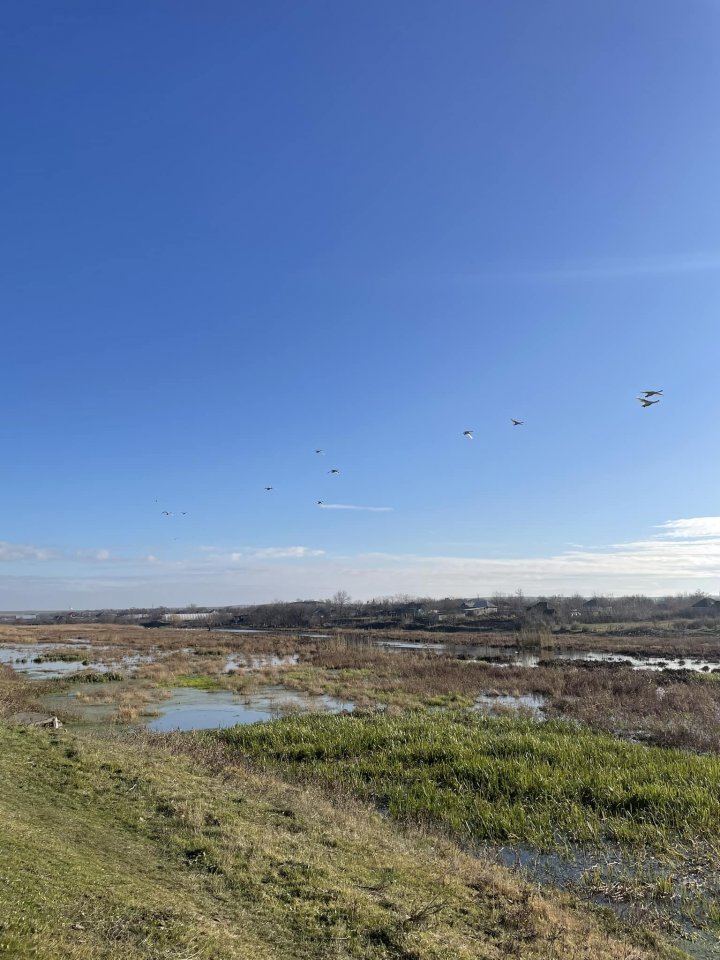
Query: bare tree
column 341, row 598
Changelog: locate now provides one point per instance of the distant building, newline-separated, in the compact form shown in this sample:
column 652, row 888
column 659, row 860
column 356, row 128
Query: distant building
column 542, row 608
column 597, row 606
column 479, row 608
column 181, row 617
column 406, row 611
column 706, row 603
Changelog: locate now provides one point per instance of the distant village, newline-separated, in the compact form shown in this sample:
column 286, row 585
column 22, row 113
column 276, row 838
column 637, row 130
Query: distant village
column 498, row 612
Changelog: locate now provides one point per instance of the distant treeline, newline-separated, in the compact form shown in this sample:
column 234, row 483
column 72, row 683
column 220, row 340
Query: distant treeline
column 493, row 611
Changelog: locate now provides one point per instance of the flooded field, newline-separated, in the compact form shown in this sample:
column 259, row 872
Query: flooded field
column 532, row 658
column 51, row 660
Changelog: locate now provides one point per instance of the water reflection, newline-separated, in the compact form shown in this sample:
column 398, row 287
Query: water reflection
column 190, row 709
column 533, row 703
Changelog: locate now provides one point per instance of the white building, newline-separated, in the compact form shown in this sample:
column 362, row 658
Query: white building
column 177, row 617
column 479, row 608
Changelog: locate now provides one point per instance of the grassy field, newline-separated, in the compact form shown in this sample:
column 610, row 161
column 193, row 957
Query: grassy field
column 502, row 779
column 137, row 849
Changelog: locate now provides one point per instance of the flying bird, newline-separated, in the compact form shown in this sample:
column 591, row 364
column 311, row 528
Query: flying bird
column 516, row 423
column 647, row 403
column 468, row 434
column 167, row 513
column 651, row 393
column 268, row 488
column 335, row 470
column 319, row 451
column 320, row 502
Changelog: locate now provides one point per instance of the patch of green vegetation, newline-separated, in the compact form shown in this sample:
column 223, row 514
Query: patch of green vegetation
column 501, row 780
column 95, row 676
column 134, row 849
column 200, row 682
column 363, row 686
column 61, row 658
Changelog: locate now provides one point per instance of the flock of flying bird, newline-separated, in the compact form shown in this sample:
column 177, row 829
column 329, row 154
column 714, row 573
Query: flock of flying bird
column 644, row 398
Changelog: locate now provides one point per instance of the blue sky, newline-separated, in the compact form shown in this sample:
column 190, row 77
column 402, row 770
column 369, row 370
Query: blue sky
column 237, row 232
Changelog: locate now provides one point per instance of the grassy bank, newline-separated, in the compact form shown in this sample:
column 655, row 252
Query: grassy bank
column 134, row 849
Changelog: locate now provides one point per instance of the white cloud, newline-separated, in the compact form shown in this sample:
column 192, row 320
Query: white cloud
column 352, row 506
column 284, row 552
column 99, row 555
column 683, row 556
column 694, row 527
column 11, row 552
column 261, row 553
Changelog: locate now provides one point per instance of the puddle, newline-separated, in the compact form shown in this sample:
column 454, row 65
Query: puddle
column 190, row 709
column 307, row 636
column 528, row 702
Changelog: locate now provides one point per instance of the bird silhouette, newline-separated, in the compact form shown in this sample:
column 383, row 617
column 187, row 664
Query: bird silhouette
column 468, row 434
column 647, row 403
column 320, row 502
column 516, row 423
column 334, row 470
column 319, row 451
column 167, row 513
column 268, row 488
column 651, row 393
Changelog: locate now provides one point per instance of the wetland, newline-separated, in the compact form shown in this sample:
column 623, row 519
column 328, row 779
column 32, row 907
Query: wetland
column 587, row 774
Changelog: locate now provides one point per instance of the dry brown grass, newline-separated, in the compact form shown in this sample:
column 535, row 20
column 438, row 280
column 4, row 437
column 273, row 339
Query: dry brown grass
column 15, row 693
column 669, row 708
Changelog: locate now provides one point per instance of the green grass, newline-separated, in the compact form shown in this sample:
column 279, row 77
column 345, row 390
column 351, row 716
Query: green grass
column 135, row 849
column 501, row 780
column 196, row 682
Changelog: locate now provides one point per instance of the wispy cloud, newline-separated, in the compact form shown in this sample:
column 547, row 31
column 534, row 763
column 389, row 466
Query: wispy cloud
column 353, row 506
column 91, row 555
column 270, row 553
column 691, row 528
column 677, row 555
column 265, row 553
column 13, row 552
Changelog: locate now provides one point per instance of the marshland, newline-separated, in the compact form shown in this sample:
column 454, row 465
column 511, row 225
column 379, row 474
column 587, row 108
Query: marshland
column 577, row 781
